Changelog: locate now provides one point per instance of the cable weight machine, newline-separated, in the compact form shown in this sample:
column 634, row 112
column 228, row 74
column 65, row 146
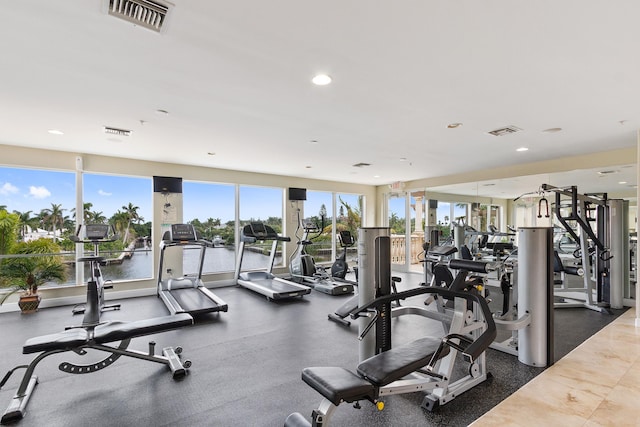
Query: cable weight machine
column 600, row 255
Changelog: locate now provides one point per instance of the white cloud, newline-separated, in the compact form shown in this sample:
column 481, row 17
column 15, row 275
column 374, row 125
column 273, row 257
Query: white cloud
column 8, row 188
column 39, row 192
column 103, row 193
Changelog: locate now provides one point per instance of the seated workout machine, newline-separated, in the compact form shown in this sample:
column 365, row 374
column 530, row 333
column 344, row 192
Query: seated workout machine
column 424, row 365
column 93, row 334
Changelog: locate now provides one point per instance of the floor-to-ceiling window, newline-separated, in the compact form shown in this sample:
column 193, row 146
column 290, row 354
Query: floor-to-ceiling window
column 35, row 205
column 125, row 203
column 261, row 204
column 210, row 208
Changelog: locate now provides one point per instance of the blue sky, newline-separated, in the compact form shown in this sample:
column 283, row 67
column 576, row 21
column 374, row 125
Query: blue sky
column 33, row 190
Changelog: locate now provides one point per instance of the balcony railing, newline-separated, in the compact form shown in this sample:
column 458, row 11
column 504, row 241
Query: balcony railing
column 398, row 248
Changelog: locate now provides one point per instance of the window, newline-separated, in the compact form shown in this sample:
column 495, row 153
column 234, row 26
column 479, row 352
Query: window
column 37, row 204
column 125, row 203
column 210, row 208
column 261, row 204
column 319, row 203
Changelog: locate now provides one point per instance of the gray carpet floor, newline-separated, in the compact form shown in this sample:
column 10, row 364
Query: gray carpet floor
column 246, row 367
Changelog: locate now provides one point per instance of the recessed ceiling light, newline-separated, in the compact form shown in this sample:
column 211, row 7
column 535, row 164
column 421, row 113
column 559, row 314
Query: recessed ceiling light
column 622, row 182
column 211, row 153
column 607, row 172
column 552, row 130
column 321, row 80
column 488, row 184
column 55, row 132
column 454, row 125
column 308, row 167
column 313, row 141
column 522, row 149
column 162, row 112
column 376, row 176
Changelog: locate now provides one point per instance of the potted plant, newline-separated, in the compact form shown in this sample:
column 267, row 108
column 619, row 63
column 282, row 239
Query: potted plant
column 28, row 271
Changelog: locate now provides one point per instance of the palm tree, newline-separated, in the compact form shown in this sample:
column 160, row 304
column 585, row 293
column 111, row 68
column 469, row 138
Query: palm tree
column 8, row 230
column 86, row 214
column 353, row 218
column 25, row 221
column 54, row 217
column 119, row 220
column 96, row 218
column 132, row 216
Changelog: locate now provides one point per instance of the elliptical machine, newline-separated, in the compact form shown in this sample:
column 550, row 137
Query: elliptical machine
column 303, row 267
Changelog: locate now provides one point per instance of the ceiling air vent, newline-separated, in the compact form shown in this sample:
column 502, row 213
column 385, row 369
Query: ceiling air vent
column 116, row 131
column 146, row 13
column 505, row 131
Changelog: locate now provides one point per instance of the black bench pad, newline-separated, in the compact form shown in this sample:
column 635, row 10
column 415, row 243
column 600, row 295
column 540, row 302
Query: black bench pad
column 71, row 338
column 391, row 365
column 105, row 333
column 338, row 384
column 117, row 330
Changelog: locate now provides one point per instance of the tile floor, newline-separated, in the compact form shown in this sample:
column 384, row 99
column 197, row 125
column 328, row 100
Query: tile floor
column 597, row 384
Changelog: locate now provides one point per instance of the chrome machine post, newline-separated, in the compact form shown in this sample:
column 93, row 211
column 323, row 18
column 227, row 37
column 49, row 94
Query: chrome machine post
column 619, row 248
column 535, row 295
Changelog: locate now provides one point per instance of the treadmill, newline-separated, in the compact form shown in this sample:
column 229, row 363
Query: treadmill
column 186, row 294
column 265, row 282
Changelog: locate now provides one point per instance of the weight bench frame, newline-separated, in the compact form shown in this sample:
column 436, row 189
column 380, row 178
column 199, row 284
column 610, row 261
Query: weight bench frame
column 98, row 337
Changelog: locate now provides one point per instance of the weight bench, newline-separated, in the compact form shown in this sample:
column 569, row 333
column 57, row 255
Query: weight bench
column 390, row 372
column 97, row 337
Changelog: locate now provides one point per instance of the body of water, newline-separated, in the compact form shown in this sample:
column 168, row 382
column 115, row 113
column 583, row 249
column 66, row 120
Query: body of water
column 140, row 265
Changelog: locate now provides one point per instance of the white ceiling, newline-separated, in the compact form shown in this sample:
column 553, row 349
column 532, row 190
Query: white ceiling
column 234, row 77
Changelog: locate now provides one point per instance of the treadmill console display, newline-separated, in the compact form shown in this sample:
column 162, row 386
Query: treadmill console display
column 258, row 230
column 182, row 232
column 97, row 231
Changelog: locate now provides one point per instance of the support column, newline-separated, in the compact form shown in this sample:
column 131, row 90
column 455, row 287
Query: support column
column 638, row 199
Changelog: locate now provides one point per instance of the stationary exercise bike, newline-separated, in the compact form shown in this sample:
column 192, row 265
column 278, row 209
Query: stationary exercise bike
column 95, row 234
column 340, row 267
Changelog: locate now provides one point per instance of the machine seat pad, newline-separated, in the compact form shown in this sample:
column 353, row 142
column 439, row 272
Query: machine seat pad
column 386, row 367
column 118, row 330
column 338, row 384
column 71, row 338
